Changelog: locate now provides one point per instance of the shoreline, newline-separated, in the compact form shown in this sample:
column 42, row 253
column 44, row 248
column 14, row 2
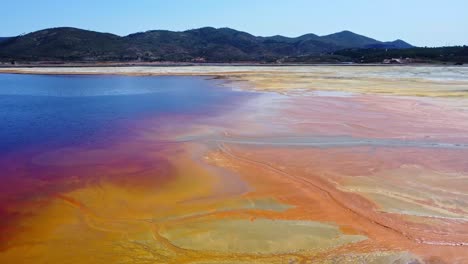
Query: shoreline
column 201, row 69
column 414, row 80
column 181, row 64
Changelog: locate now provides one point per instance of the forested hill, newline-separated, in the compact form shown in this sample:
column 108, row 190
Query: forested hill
column 197, row 45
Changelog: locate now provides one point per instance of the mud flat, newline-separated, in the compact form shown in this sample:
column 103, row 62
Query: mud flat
column 293, row 165
column 434, row 81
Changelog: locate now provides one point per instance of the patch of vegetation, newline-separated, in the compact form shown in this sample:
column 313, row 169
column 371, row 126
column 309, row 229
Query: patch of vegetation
column 457, row 54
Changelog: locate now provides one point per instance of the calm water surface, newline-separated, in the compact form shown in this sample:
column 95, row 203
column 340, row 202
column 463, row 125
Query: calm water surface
column 68, row 109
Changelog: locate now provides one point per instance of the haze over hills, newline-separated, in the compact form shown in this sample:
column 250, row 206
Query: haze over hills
column 204, row 44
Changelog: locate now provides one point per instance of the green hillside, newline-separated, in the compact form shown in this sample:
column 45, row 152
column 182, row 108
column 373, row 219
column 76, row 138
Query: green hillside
column 203, row 45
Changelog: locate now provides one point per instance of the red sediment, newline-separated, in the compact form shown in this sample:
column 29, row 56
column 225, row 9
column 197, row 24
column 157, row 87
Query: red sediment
column 377, row 117
column 312, row 180
column 306, row 178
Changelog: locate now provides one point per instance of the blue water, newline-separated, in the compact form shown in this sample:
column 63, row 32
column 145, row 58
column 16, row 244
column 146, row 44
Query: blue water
column 53, row 109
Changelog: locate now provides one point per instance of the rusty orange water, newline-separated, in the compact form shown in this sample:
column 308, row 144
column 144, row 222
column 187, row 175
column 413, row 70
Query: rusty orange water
column 235, row 177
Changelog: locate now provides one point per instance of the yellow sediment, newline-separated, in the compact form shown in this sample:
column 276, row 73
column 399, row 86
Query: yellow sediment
column 206, row 200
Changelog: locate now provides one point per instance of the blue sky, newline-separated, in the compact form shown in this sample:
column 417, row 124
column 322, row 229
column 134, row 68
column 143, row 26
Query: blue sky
column 420, row 22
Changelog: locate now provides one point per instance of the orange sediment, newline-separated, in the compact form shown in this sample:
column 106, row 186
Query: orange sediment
column 286, row 179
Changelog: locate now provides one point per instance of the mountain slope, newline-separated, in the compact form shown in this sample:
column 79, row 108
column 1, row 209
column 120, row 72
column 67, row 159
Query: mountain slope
column 397, row 44
column 202, row 44
column 3, row 39
column 348, row 39
column 64, row 43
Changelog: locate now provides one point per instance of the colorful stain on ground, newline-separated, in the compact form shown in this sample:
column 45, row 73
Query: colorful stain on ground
column 147, row 169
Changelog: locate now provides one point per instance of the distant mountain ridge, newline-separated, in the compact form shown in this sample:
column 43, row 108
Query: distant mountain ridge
column 203, row 44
